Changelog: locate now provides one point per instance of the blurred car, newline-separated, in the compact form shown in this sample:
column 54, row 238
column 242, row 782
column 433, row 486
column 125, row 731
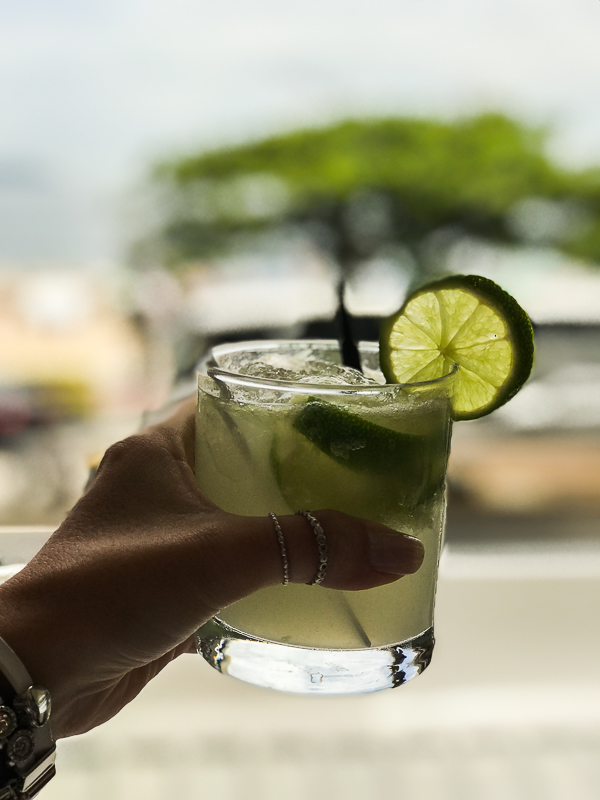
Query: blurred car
column 16, row 411
column 45, row 403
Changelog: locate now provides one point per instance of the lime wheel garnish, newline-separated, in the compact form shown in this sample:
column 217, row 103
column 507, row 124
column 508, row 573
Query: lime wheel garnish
column 466, row 320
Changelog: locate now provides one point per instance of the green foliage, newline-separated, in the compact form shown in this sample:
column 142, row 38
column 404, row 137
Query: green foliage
column 361, row 185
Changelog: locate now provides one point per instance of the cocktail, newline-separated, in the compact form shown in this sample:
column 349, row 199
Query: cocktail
column 283, row 426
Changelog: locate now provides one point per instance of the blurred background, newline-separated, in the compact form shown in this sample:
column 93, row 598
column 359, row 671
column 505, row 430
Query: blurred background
column 175, row 175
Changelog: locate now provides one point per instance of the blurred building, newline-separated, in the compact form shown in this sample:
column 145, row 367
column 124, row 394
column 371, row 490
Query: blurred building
column 66, row 333
column 73, row 379
column 270, row 292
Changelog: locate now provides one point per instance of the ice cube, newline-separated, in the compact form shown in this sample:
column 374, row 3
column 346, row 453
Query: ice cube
column 293, row 369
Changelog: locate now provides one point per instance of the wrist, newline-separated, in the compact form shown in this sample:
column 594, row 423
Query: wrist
column 28, row 633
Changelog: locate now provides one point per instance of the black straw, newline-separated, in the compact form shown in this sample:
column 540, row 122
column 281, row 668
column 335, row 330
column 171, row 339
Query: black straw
column 348, row 348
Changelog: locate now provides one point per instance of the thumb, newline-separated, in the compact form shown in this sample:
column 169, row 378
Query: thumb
column 249, row 556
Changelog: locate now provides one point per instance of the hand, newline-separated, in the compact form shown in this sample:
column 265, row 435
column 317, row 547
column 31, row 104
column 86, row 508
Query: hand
column 144, row 559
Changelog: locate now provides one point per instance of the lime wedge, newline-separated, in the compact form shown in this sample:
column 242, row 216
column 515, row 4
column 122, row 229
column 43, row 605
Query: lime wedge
column 466, row 320
column 354, row 442
column 329, row 457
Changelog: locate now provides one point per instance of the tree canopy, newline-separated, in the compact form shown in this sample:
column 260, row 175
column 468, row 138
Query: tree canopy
column 360, row 186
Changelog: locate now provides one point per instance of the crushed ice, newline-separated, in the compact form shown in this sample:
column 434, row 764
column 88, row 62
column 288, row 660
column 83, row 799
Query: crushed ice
column 295, row 369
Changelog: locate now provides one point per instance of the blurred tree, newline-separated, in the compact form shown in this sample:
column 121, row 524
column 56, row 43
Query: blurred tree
column 361, row 188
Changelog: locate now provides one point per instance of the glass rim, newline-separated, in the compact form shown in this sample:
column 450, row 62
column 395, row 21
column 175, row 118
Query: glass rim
column 213, row 370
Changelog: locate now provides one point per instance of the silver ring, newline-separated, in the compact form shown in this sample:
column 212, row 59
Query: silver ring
column 282, row 549
column 322, row 545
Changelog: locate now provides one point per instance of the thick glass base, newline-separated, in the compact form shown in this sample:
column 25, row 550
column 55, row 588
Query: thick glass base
column 307, row 670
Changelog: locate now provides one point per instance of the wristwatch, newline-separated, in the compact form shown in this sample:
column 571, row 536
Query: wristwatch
column 27, row 750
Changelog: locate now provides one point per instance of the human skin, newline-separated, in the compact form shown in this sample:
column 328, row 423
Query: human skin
column 144, row 558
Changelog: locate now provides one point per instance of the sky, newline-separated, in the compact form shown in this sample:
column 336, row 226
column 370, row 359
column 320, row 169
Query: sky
column 92, row 94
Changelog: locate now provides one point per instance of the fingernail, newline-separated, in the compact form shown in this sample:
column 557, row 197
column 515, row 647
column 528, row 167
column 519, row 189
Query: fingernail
column 396, row 553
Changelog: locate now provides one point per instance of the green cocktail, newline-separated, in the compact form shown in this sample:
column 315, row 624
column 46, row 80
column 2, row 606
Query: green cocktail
column 280, row 427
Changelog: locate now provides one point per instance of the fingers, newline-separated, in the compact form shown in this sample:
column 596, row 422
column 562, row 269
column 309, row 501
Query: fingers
column 246, row 555
column 360, row 554
column 218, row 557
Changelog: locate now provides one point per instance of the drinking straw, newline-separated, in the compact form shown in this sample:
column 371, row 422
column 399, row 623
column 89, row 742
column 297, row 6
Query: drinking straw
column 348, row 348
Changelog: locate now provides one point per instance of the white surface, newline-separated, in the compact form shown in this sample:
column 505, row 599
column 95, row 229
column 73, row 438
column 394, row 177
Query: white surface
column 528, row 561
